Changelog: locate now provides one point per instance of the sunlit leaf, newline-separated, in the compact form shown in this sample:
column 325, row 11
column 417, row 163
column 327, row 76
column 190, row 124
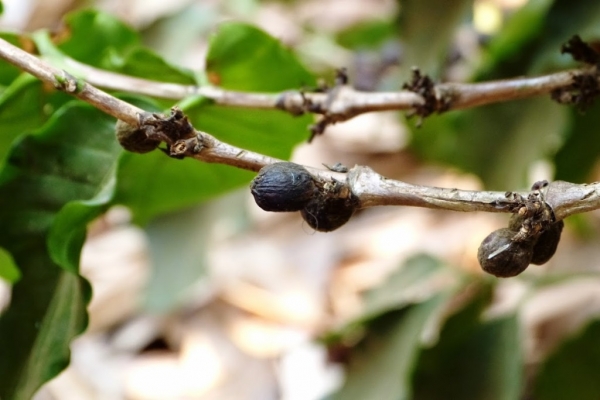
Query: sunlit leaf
column 144, row 63
column 93, row 35
column 8, row 270
column 243, row 57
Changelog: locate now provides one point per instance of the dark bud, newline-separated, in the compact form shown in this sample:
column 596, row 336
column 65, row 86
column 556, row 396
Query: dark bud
column 134, row 139
column 326, row 214
column 500, row 256
column 546, row 244
column 282, row 186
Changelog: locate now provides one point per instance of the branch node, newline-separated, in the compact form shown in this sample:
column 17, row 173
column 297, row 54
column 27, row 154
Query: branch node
column 68, row 83
column 293, row 102
column 583, row 90
column 424, row 86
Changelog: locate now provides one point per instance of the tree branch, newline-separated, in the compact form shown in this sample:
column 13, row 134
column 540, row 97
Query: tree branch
column 369, row 188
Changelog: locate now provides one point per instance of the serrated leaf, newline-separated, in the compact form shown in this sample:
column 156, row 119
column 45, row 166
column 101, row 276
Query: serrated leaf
column 473, row 359
column 572, row 370
column 381, row 366
column 92, row 36
column 243, row 57
column 70, row 159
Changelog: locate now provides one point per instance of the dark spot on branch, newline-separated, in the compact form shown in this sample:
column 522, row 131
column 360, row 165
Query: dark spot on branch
column 424, row 86
column 582, row 92
column 330, row 118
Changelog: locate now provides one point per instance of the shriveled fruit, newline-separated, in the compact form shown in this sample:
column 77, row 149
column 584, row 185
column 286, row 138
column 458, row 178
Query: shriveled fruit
column 500, row 256
column 282, row 186
column 326, row 214
column 546, row 244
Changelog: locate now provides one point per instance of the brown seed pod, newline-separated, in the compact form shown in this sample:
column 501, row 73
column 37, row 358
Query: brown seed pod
column 546, row 244
column 327, row 213
column 134, row 139
column 500, row 256
column 282, row 186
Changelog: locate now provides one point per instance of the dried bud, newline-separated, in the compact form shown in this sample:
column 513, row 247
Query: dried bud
column 546, row 244
column 500, row 256
column 327, row 213
column 134, row 138
column 282, row 186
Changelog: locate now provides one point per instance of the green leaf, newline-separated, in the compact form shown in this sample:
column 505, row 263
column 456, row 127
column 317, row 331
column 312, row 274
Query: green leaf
column 178, row 246
column 565, row 19
column 572, row 370
column 417, row 275
column 153, row 184
column 511, row 51
column 71, row 159
column 24, row 105
column 427, row 29
column 576, row 159
column 473, row 359
column 144, row 63
column 8, row 269
column 498, row 142
column 366, row 34
column 269, row 132
column 530, row 42
column 243, row 57
column 93, row 36
column 381, row 366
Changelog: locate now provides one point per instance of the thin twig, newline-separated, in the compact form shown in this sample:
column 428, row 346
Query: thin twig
column 369, row 188
column 345, row 103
